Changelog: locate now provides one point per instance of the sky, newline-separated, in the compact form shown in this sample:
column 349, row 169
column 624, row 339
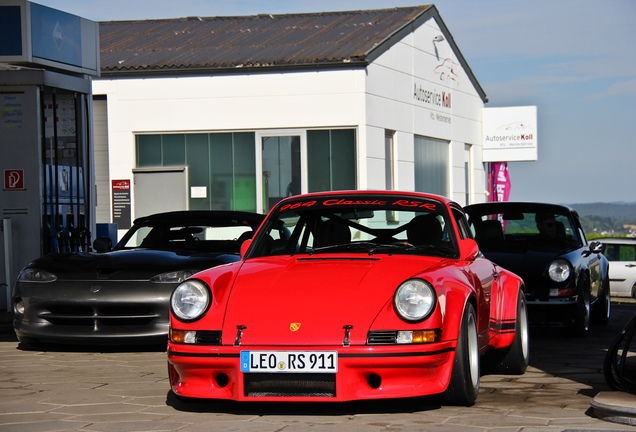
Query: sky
column 573, row 59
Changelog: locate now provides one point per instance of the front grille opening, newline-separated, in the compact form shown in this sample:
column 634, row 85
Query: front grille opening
column 289, row 384
column 105, row 315
column 382, row 337
column 209, row 337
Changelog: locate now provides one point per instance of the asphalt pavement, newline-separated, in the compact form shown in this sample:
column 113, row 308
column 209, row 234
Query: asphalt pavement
column 82, row 389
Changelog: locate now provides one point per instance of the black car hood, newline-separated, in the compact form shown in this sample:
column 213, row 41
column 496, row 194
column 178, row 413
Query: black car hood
column 530, row 263
column 127, row 264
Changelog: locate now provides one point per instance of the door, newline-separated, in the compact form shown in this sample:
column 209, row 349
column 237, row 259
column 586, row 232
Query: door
column 622, row 271
column 281, row 168
column 160, row 190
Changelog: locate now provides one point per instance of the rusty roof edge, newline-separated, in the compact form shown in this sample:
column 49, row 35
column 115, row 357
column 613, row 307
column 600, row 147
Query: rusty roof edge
column 258, row 15
column 206, row 71
column 398, row 34
column 429, row 12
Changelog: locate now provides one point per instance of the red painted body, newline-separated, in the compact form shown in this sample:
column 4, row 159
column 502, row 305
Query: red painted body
column 302, row 302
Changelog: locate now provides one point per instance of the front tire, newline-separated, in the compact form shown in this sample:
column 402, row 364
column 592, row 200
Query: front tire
column 602, row 310
column 464, row 383
column 582, row 318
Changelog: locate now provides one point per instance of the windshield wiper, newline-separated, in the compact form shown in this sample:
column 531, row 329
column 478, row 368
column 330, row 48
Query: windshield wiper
column 389, row 247
column 444, row 251
column 343, row 247
column 372, row 248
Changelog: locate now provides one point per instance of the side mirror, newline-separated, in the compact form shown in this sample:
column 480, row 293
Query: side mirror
column 245, row 246
column 102, row 244
column 597, row 247
column 468, row 249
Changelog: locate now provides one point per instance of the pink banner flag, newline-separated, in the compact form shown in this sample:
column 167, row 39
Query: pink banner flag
column 499, row 181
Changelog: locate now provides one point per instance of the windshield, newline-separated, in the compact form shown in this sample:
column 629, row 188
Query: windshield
column 369, row 224
column 213, row 236
column 524, row 226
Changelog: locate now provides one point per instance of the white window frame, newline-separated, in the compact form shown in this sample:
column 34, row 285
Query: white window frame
column 258, row 144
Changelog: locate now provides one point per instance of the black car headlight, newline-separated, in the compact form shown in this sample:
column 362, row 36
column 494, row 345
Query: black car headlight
column 36, row 275
column 559, row 270
column 190, row 300
column 415, row 300
column 173, row 276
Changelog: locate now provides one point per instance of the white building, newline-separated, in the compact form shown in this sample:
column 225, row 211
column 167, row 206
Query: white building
column 237, row 112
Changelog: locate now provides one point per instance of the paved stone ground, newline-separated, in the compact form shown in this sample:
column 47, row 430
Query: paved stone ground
column 88, row 390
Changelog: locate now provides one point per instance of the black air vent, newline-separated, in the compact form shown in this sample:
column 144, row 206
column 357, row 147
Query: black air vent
column 289, row 384
column 209, row 337
column 382, row 337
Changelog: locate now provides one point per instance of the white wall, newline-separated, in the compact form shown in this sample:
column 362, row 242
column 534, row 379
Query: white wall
column 391, row 104
column 102, row 185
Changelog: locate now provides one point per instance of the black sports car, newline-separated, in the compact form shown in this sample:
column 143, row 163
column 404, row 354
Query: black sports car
column 122, row 295
column 566, row 276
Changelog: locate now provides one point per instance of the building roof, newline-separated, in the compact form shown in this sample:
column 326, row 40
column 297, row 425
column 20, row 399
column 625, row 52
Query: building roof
column 259, row 42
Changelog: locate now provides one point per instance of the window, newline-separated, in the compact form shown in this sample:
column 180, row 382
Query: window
column 281, row 168
column 467, row 170
column 464, row 230
column 224, row 163
column 431, row 165
column 331, row 156
column 389, row 179
column 618, row 252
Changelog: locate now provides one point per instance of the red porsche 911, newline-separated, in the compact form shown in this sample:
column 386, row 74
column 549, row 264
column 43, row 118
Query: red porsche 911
column 347, row 296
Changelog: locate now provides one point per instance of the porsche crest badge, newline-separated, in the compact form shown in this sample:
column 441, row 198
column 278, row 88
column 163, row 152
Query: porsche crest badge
column 294, row 326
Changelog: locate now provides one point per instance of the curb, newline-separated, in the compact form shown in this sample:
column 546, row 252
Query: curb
column 616, row 407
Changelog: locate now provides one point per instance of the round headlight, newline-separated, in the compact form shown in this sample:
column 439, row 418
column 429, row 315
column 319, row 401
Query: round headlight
column 18, row 307
column 559, row 270
column 415, row 300
column 190, row 300
column 36, row 275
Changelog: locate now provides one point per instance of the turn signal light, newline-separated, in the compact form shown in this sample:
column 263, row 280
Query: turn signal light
column 427, row 336
column 419, row 336
column 183, row 336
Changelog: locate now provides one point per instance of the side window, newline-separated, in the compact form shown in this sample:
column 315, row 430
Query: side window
column 576, row 225
column 462, row 224
column 627, row 253
column 138, row 237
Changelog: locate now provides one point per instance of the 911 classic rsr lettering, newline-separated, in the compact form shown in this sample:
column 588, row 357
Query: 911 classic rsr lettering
column 346, row 296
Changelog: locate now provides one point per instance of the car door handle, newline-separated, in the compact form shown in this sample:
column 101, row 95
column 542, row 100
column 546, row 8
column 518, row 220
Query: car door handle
column 630, row 265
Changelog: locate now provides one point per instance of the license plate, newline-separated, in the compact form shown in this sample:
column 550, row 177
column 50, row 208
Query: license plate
column 289, row 361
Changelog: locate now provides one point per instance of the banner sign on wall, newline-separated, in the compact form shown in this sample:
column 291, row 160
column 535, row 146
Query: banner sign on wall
column 499, row 182
column 509, row 134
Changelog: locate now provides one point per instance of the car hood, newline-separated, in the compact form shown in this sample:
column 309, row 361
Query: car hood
column 529, row 263
column 307, row 301
column 126, row 264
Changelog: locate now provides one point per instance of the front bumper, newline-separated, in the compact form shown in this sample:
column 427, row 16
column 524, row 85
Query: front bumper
column 93, row 312
column 364, row 372
column 552, row 310
column 552, row 301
